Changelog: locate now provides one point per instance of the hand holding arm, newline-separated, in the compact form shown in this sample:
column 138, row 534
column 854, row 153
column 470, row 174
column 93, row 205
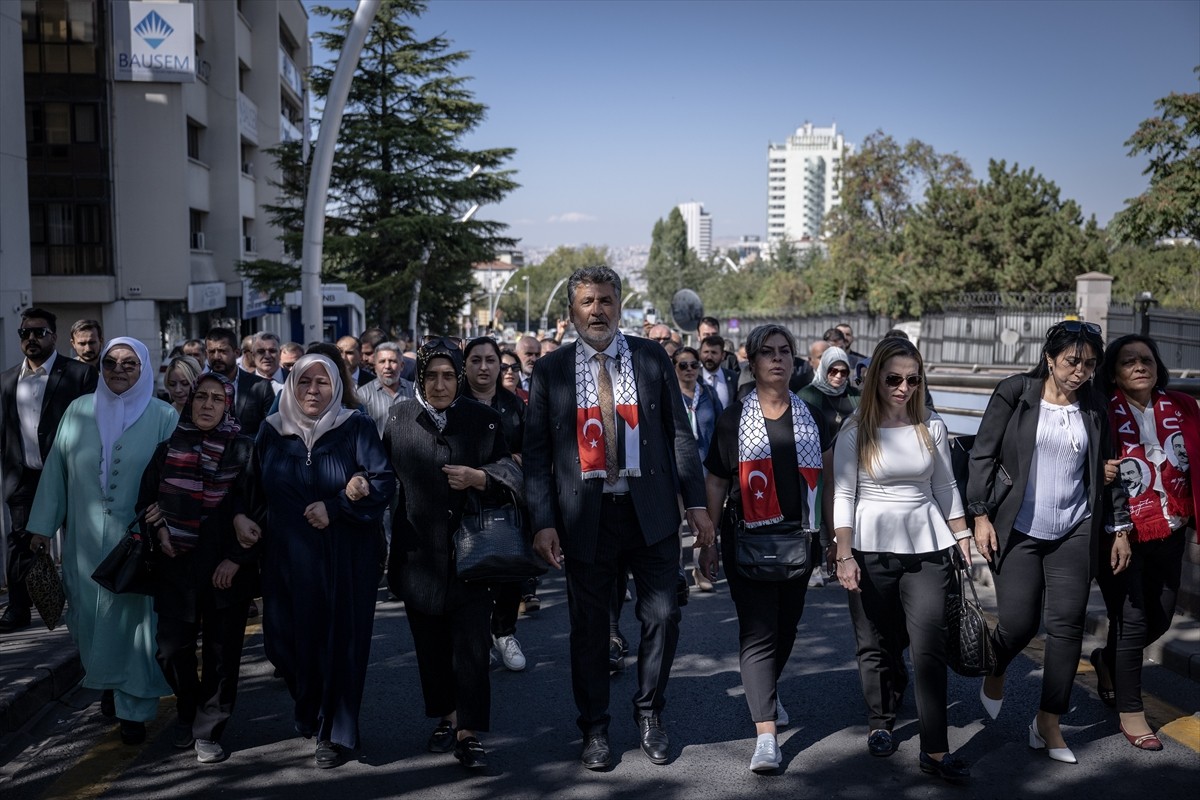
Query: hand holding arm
column 461, row 477
column 247, row 530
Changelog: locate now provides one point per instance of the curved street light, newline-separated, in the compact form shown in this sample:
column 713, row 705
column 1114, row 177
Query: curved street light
column 546, row 311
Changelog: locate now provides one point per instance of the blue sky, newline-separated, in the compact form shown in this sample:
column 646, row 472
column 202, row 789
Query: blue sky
column 619, row 110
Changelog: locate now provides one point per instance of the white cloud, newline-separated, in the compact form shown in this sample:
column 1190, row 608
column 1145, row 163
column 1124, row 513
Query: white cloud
column 572, row 216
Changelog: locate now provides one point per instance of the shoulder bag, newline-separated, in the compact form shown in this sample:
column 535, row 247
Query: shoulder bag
column 130, row 565
column 45, row 588
column 969, row 648
column 493, row 543
column 777, row 552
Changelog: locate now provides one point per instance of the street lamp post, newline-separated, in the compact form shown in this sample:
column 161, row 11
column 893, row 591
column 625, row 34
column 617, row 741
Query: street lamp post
column 526, row 279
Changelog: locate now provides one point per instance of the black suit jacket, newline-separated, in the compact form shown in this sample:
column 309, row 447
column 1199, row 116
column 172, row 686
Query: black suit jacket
column 253, row 403
column 365, row 376
column 555, row 490
column 1007, row 435
column 68, row 379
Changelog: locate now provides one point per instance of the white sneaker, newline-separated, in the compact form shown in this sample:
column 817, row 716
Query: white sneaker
column 767, row 757
column 210, row 752
column 816, row 580
column 781, row 715
column 510, row 652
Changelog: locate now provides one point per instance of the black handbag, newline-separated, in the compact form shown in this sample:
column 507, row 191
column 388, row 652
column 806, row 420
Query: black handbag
column 776, row 552
column 493, row 543
column 969, row 648
column 130, row 565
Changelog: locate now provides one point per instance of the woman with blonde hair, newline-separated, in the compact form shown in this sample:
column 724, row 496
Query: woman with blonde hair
column 897, row 516
column 179, row 380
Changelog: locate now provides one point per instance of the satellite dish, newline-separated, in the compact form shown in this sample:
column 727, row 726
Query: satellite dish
column 686, row 309
column 1009, row 337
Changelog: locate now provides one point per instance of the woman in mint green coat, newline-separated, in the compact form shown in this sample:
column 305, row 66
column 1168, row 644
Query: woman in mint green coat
column 90, row 485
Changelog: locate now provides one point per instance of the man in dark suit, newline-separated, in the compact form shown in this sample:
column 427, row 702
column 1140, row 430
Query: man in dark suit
column 351, row 352
column 715, row 376
column 252, row 394
column 33, row 395
column 608, row 450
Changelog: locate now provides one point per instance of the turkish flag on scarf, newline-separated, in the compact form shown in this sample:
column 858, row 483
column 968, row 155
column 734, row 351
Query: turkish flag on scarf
column 759, row 498
column 589, row 427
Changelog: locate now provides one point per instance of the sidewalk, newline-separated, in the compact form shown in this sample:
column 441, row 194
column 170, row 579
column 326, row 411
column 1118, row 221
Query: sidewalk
column 38, row 666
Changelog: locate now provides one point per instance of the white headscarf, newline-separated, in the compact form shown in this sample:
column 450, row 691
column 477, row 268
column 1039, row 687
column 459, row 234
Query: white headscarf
column 291, row 421
column 820, row 381
column 115, row 413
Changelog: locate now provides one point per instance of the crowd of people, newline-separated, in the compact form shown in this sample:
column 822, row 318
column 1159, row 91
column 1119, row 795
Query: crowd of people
column 299, row 478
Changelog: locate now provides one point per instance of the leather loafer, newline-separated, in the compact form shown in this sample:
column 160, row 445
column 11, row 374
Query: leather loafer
column 653, row 737
column 442, row 739
column 470, row 753
column 880, row 743
column 617, row 650
column 328, row 755
column 951, row 768
column 13, row 620
column 596, row 752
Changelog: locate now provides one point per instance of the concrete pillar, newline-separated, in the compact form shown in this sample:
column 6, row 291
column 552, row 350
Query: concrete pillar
column 1093, row 293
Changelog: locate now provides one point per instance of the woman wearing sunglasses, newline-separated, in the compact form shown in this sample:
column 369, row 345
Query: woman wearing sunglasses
column 510, row 369
column 1036, row 491
column 703, row 408
column 896, row 516
column 830, row 391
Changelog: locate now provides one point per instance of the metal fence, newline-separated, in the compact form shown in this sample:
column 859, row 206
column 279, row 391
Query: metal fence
column 1177, row 333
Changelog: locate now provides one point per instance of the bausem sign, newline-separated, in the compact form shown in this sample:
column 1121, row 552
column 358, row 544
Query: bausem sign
column 154, row 42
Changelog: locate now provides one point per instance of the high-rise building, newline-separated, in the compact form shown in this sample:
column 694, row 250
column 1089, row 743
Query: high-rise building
column 146, row 189
column 803, row 182
column 699, row 228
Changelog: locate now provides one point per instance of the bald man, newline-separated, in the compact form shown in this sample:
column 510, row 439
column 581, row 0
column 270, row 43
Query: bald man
column 815, row 351
column 529, row 350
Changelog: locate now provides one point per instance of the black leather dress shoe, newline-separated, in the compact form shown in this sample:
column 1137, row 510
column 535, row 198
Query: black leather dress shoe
column 133, row 732
column 108, row 704
column 880, row 743
column 442, row 738
column 470, row 753
column 328, row 755
column 951, row 768
column 617, row 650
column 13, row 620
column 596, row 752
column 653, row 737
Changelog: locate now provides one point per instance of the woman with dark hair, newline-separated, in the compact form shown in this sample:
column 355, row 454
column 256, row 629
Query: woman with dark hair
column 1158, row 430
column 324, row 481
column 897, row 515
column 205, row 578
column 444, row 445
column 510, row 374
column 764, row 467
column 699, row 400
column 830, row 391
column 1036, row 490
column 482, row 357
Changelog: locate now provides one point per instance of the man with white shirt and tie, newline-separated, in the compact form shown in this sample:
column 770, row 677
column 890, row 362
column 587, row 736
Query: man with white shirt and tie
column 266, row 360
column 33, row 395
column 720, row 380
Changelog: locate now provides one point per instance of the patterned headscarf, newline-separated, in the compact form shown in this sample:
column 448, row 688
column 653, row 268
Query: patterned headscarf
column 192, row 482
column 439, row 348
column 820, row 381
column 290, row 420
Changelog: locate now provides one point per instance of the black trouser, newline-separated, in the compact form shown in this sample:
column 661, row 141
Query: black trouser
column 902, row 603
column 452, row 658
column 589, row 594
column 1141, row 602
column 19, row 559
column 768, row 615
column 1036, row 577
column 506, row 597
column 204, row 701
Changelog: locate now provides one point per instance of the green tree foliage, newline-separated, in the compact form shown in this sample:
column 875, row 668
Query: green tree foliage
column 1171, row 274
column 1170, row 207
column 542, row 279
column 401, row 177
column 672, row 265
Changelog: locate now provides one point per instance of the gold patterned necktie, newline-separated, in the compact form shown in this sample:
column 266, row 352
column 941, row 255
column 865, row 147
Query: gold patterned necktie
column 608, row 419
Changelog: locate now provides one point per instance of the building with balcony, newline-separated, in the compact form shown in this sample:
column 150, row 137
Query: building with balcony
column 699, row 228
column 143, row 196
column 803, row 182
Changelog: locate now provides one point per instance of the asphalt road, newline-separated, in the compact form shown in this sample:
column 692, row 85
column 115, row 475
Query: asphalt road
column 71, row 752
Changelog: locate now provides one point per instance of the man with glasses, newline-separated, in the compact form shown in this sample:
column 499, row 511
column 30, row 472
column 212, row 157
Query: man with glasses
column 33, row 395
column 87, row 340
column 266, row 359
column 252, row 394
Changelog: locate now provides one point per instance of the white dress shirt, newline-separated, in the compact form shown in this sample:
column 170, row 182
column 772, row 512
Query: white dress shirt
column 716, row 382
column 31, row 391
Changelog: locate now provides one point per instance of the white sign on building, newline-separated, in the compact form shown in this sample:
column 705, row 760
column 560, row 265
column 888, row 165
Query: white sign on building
column 154, row 42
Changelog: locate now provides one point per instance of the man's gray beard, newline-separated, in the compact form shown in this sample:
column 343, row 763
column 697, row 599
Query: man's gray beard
column 392, row 385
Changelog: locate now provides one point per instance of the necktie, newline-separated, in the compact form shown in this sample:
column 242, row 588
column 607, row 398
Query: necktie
column 608, row 419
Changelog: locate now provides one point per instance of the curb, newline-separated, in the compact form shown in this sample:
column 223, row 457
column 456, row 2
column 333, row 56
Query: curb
column 1178, row 650
column 24, row 694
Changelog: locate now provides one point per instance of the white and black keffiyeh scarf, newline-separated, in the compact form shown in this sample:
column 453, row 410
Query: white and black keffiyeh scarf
column 756, row 471
column 589, row 427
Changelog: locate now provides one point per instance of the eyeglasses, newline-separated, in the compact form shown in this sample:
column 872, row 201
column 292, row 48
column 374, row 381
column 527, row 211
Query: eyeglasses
column 448, row 342
column 509, row 367
column 1078, row 326
column 839, row 371
column 37, row 333
column 893, row 380
column 129, row 365
column 267, row 352
column 687, row 365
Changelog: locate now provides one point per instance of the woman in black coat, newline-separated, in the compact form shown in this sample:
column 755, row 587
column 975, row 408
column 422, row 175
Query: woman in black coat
column 205, row 578
column 443, row 444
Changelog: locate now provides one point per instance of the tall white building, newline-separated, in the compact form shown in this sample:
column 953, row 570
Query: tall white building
column 803, row 182
column 145, row 193
column 699, row 228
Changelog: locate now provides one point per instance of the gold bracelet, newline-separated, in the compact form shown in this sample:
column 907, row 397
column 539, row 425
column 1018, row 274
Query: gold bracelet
column 843, row 560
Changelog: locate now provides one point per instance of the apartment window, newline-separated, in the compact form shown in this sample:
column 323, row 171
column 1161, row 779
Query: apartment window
column 249, row 245
column 195, row 137
column 243, row 76
column 196, row 224
column 247, row 159
column 67, row 239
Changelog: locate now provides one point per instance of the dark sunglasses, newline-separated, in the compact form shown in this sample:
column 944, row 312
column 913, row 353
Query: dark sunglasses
column 129, row 365
column 894, row 380
column 1078, row 326
column 37, row 333
column 838, row 371
column 687, row 365
column 509, row 367
column 448, row 342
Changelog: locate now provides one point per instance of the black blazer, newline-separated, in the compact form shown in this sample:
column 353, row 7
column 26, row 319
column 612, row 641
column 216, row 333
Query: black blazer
column 68, row 379
column 253, row 402
column 557, row 494
column 1008, row 432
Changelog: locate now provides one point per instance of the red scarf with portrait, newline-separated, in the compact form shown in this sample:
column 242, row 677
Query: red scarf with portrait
column 1172, row 479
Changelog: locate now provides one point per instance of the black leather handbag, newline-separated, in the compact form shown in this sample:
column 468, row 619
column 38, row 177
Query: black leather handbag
column 969, row 648
column 777, row 552
column 130, row 565
column 493, row 543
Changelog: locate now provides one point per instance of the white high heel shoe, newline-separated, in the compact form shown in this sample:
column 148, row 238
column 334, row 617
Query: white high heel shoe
column 1036, row 742
column 992, row 707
